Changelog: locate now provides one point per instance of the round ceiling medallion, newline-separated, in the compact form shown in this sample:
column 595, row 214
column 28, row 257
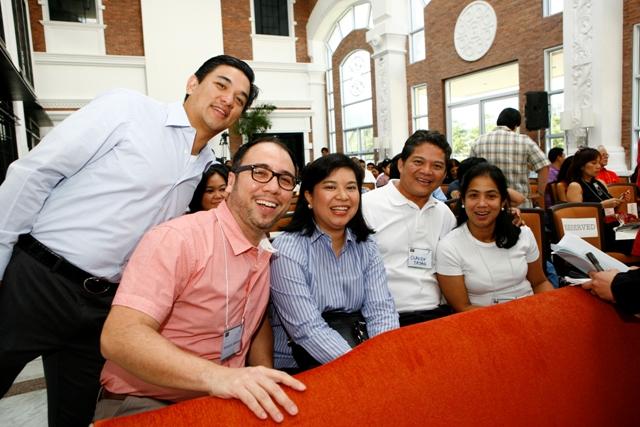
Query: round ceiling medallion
column 475, row 30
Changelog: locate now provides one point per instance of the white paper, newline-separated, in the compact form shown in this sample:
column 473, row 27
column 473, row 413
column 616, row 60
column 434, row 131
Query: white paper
column 632, row 208
column 573, row 250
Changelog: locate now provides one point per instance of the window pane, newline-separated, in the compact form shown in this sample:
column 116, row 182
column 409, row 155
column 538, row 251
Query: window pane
column 332, row 121
column 464, row 129
column 555, row 6
column 73, row 11
column 355, row 65
column 335, row 38
column 556, row 70
column 366, row 136
column 493, row 108
column 557, row 142
column 417, row 46
column 351, row 141
column 417, row 14
column 361, row 13
column 271, row 17
column 491, row 82
column 358, row 115
column 330, row 80
column 420, row 102
column 557, row 107
column 421, row 123
column 356, row 89
column 346, row 23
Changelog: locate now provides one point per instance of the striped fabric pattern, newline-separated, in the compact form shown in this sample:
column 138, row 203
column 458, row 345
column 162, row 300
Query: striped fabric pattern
column 307, row 279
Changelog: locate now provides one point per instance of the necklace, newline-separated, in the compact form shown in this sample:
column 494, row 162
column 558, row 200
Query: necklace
column 598, row 192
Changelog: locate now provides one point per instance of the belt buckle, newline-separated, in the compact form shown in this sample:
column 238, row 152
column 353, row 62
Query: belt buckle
column 95, row 285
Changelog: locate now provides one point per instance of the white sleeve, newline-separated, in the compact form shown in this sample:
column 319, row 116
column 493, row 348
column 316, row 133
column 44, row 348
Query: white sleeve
column 531, row 248
column 87, row 133
column 448, row 260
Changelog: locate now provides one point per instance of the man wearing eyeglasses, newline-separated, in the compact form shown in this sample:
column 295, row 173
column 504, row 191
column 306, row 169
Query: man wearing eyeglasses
column 189, row 311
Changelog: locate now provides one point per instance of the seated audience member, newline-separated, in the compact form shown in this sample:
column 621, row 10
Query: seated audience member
column 326, row 262
column 409, row 222
column 189, row 311
column 562, row 180
column 385, row 170
column 371, row 167
column 622, row 289
column 394, row 173
column 324, row 151
column 605, row 175
column 515, row 197
column 211, row 190
column 452, row 171
column 585, row 187
column 487, row 259
column 556, row 157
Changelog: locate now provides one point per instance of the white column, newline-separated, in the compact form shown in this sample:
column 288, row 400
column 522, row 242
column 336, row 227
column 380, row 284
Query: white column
column 318, row 94
column 592, row 33
column 388, row 39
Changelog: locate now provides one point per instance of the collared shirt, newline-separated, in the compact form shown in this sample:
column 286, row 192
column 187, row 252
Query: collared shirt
column 100, row 179
column 514, row 153
column 182, row 274
column 401, row 225
column 308, row 279
column 607, row 176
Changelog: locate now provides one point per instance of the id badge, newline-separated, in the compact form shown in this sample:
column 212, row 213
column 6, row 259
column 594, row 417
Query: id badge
column 609, row 212
column 231, row 342
column 420, row 258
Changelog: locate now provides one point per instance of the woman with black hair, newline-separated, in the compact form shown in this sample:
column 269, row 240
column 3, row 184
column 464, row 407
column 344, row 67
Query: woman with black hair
column 487, row 259
column 211, row 190
column 326, row 262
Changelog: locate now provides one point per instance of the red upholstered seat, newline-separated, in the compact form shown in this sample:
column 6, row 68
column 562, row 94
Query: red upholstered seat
column 558, row 358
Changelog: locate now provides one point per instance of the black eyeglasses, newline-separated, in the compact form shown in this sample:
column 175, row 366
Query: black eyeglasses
column 262, row 174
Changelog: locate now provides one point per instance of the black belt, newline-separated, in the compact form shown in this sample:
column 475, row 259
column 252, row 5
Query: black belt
column 57, row 264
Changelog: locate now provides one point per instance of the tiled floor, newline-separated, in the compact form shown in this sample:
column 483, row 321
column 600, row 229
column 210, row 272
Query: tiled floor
column 26, row 409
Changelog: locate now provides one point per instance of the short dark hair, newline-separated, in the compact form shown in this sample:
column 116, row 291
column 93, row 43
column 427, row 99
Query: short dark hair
column 196, row 202
column 509, row 117
column 563, row 173
column 467, row 164
column 212, row 63
column 420, row 137
column 581, row 158
column 505, row 233
column 314, row 173
column 394, row 172
column 242, row 150
column 554, row 153
column 324, row 150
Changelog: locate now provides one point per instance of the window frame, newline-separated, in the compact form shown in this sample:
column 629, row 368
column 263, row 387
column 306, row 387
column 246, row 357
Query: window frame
column 362, row 153
column 546, row 8
column 635, row 97
column 414, row 104
column 548, row 136
column 413, row 32
column 46, row 16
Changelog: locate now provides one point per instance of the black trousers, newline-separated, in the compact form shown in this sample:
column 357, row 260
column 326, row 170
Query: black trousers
column 412, row 317
column 45, row 314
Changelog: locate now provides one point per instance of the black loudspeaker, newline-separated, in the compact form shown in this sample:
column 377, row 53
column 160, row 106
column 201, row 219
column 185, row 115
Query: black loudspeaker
column 536, row 110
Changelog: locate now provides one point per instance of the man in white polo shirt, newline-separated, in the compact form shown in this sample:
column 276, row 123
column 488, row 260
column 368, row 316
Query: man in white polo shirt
column 409, row 222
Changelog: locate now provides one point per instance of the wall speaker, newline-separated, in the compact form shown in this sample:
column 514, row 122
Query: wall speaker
column 536, row 110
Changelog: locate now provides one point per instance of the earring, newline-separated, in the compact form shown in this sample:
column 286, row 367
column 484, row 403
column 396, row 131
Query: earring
column 462, row 205
column 309, row 206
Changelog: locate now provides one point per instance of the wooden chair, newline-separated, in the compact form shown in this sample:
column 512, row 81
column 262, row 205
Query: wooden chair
column 534, row 219
column 587, row 210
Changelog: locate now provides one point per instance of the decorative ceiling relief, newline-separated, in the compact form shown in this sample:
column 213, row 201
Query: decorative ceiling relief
column 475, row 30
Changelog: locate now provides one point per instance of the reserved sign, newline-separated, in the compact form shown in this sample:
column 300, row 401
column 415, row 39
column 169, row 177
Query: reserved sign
column 581, row 227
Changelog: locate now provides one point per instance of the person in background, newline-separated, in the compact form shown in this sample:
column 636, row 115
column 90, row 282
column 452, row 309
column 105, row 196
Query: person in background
column 324, row 151
column 74, row 209
column 452, row 171
column 227, row 163
column 326, row 262
column 467, row 271
column 556, row 157
column 562, row 180
column 211, row 190
column 515, row 154
column 605, row 175
column 189, row 314
column 385, row 168
column 371, row 167
column 622, row 289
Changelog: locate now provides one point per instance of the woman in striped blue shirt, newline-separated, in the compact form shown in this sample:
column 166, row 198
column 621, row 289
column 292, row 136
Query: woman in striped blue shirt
column 326, row 262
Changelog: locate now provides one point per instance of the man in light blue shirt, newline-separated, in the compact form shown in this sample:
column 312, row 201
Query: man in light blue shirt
column 75, row 208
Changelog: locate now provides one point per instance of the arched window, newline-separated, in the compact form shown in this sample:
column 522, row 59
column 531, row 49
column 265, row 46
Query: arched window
column 357, row 108
column 354, row 18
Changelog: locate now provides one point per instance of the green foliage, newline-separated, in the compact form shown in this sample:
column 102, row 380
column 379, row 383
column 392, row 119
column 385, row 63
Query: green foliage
column 254, row 121
column 462, row 139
